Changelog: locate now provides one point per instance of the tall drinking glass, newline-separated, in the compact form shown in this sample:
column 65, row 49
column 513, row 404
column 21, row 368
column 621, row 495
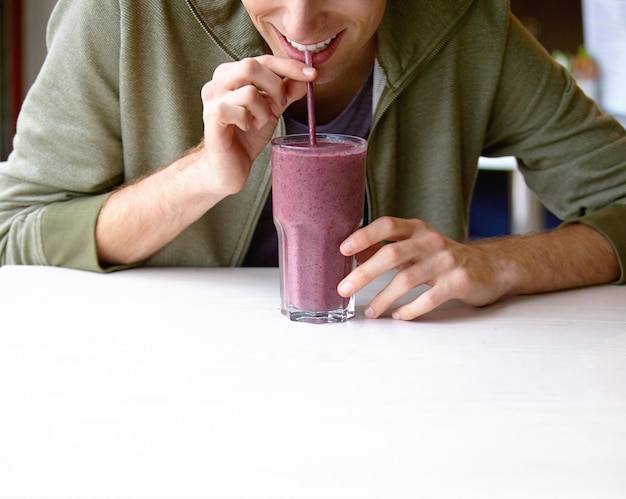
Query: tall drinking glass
column 318, row 194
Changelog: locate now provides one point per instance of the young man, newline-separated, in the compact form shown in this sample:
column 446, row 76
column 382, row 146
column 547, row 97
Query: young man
column 94, row 182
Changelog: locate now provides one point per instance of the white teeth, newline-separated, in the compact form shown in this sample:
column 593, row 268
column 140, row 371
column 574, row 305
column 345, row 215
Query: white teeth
column 316, row 47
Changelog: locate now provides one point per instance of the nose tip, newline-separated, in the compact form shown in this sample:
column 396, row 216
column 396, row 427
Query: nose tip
column 303, row 21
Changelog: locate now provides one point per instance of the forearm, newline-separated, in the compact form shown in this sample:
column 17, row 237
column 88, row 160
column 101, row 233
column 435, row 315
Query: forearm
column 568, row 257
column 142, row 217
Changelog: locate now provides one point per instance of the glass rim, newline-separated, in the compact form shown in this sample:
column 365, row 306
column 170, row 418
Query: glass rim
column 301, row 138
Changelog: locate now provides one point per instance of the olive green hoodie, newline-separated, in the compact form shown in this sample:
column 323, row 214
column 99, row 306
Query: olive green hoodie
column 119, row 96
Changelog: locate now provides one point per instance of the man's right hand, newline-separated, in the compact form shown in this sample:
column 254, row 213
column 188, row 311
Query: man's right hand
column 242, row 104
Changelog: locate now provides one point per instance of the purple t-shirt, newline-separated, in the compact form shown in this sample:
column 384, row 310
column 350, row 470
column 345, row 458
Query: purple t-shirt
column 356, row 120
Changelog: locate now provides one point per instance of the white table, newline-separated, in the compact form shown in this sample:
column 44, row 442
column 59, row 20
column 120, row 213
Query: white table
column 189, row 383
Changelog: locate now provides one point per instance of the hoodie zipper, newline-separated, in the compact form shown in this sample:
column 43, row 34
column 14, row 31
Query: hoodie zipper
column 206, row 29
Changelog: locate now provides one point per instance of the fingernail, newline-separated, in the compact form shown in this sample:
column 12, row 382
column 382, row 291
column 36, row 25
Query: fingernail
column 369, row 313
column 395, row 315
column 346, row 288
column 347, row 247
column 307, row 71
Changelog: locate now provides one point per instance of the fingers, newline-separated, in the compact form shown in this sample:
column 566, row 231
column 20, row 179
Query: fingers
column 246, row 108
column 381, row 229
column 260, row 87
column 378, row 258
column 388, row 256
column 421, row 256
column 402, row 283
column 241, row 107
column 426, row 302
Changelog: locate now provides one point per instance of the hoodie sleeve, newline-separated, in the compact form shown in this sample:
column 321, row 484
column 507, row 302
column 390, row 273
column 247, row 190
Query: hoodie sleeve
column 572, row 156
column 67, row 154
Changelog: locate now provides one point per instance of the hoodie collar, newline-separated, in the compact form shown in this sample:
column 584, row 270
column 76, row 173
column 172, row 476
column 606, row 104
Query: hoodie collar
column 227, row 22
column 412, row 30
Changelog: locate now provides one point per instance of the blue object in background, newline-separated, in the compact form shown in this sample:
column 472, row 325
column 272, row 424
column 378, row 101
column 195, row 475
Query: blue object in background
column 490, row 213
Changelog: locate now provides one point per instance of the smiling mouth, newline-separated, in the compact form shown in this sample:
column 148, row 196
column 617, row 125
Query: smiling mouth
column 314, row 48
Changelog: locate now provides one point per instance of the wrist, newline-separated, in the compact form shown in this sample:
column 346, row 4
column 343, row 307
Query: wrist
column 190, row 180
column 567, row 257
column 210, row 175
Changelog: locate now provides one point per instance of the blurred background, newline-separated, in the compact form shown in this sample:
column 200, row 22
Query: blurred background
column 557, row 24
column 22, row 50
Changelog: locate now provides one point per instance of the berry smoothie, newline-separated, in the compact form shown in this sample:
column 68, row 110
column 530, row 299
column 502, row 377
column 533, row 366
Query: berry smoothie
column 318, row 195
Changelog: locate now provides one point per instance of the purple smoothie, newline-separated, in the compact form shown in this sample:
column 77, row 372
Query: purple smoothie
column 318, row 195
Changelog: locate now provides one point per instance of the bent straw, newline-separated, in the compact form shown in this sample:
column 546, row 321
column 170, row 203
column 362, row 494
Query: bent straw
column 310, row 103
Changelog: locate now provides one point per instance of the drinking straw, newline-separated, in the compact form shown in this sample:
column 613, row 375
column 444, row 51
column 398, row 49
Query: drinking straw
column 310, row 103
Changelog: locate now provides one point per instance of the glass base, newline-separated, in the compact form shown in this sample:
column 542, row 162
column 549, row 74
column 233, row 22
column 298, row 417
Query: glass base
column 323, row 317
